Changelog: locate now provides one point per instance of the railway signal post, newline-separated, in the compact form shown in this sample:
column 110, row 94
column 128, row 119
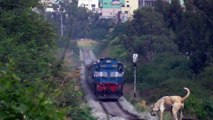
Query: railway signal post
column 135, row 59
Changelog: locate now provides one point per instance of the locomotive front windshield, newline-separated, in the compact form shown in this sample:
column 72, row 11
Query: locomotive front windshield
column 108, row 68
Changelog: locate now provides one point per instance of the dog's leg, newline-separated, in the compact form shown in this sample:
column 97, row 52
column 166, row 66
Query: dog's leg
column 161, row 112
column 160, row 115
column 181, row 115
column 171, row 115
column 181, row 112
column 174, row 112
column 176, row 109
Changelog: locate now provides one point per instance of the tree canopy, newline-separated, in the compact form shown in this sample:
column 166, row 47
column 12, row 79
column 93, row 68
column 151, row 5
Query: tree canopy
column 30, row 82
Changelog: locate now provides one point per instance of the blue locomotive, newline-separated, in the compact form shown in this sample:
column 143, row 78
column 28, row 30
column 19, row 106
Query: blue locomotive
column 107, row 78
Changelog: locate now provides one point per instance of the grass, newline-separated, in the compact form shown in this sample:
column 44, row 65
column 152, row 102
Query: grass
column 86, row 43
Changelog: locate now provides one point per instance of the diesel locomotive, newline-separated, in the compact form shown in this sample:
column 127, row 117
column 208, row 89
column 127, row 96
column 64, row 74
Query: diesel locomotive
column 106, row 78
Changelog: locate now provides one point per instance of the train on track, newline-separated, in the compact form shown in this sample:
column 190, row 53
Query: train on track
column 105, row 77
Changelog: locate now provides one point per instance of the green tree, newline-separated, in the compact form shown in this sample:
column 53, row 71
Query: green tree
column 26, row 63
column 27, row 42
column 187, row 22
column 147, row 34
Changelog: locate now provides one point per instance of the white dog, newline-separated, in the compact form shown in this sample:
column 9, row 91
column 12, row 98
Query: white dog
column 174, row 104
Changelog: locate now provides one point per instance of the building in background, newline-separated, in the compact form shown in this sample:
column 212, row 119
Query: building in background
column 128, row 9
column 111, row 3
column 47, row 3
column 89, row 4
column 151, row 3
column 110, row 9
column 118, row 10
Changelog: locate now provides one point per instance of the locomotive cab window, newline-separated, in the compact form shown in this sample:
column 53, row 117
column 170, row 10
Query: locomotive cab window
column 120, row 68
column 96, row 68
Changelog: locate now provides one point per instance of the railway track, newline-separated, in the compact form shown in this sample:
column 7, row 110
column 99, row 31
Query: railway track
column 114, row 109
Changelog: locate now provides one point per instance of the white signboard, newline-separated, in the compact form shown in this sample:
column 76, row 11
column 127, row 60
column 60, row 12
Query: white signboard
column 135, row 58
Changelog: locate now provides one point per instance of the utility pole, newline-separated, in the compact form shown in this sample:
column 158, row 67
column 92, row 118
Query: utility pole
column 45, row 14
column 62, row 26
column 135, row 59
column 61, row 11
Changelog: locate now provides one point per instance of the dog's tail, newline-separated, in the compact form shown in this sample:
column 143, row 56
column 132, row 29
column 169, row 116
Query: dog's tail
column 187, row 95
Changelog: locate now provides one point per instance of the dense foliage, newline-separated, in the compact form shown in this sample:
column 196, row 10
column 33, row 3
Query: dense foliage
column 32, row 83
column 26, row 60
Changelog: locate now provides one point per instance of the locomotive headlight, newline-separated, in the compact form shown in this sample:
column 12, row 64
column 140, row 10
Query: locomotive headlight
column 100, row 74
column 116, row 74
column 108, row 61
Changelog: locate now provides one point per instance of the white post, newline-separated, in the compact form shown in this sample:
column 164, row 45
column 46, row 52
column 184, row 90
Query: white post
column 61, row 11
column 134, row 79
column 135, row 58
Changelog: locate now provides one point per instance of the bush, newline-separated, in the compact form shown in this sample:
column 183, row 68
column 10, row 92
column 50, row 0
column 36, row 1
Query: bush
column 21, row 101
column 79, row 113
column 194, row 106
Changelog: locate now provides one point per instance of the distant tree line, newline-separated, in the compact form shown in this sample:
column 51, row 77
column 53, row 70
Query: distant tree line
column 79, row 22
